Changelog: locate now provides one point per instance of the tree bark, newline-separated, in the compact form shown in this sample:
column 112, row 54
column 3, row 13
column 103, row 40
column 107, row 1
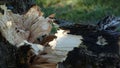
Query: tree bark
column 18, row 6
column 8, row 53
column 99, row 49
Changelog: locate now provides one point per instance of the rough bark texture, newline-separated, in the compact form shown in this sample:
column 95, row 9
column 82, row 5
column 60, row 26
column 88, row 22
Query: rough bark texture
column 8, row 53
column 13, row 57
column 100, row 49
column 18, row 6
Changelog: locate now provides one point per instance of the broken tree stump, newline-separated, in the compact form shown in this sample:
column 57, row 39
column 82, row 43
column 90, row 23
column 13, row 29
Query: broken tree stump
column 17, row 28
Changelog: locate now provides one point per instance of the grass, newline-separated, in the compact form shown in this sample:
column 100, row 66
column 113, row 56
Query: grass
column 80, row 11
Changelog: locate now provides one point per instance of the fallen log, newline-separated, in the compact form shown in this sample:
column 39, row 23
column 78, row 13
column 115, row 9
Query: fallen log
column 99, row 48
column 94, row 48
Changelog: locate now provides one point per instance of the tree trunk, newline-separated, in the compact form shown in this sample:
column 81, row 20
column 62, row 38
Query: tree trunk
column 8, row 53
column 18, row 6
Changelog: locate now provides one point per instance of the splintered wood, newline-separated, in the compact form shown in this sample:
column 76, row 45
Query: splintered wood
column 17, row 28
